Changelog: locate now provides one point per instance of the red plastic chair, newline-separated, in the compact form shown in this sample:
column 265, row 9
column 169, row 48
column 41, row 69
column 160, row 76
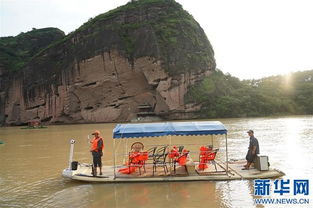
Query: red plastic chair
column 207, row 155
column 181, row 160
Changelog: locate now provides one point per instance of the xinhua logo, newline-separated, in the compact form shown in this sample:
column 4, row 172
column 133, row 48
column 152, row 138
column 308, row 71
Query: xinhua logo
column 262, row 187
column 281, row 188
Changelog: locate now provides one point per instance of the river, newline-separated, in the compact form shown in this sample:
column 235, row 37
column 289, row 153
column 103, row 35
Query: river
column 31, row 162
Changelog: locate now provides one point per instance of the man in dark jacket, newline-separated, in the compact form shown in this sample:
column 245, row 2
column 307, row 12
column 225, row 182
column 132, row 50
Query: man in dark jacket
column 253, row 150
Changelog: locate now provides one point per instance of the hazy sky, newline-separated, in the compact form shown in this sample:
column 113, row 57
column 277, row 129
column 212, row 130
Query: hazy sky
column 251, row 38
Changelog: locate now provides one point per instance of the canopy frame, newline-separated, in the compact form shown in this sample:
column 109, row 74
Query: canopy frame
column 135, row 130
column 142, row 130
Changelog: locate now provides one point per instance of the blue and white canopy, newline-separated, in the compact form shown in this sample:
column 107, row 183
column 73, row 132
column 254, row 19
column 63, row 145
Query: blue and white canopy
column 168, row 128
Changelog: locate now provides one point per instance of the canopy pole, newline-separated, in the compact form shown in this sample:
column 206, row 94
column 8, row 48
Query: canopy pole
column 226, row 155
column 114, row 163
column 170, row 140
column 212, row 140
column 126, row 151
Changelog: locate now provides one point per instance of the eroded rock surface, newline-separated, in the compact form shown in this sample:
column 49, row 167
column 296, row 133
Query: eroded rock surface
column 140, row 54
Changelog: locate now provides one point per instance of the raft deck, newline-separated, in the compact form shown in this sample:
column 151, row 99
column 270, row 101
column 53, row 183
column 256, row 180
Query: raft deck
column 83, row 173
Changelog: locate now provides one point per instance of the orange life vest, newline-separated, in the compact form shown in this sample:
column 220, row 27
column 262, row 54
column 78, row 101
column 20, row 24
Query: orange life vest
column 94, row 144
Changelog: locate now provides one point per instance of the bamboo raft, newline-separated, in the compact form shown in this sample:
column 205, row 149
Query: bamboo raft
column 83, row 173
column 34, row 127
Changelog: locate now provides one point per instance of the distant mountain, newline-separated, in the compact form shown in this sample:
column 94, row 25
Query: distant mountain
column 145, row 53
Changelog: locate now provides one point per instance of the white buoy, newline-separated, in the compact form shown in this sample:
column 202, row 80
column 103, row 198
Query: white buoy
column 72, row 141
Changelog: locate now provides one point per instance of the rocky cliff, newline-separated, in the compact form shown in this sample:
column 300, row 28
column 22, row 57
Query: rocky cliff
column 15, row 53
column 147, row 52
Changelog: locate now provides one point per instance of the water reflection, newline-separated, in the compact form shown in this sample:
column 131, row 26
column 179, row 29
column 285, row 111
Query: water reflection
column 155, row 195
column 236, row 193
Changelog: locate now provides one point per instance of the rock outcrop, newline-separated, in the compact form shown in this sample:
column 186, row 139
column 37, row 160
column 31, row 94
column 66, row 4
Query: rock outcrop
column 145, row 52
column 15, row 53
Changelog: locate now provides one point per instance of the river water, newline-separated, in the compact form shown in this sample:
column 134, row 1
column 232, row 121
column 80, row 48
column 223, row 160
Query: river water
column 31, row 162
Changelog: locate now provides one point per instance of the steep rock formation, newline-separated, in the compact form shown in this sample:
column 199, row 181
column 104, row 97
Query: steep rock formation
column 146, row 52
column 16, row 51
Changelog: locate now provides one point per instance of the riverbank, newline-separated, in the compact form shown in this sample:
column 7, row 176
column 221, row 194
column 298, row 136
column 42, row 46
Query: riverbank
column 160, row 120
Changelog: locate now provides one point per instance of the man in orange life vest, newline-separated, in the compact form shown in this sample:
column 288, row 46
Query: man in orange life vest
column 96, row 150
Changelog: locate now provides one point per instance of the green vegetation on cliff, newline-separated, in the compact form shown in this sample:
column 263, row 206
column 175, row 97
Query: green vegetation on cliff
column 16, row 51
column 226, row 96
column 160, row 29
column 156, row 28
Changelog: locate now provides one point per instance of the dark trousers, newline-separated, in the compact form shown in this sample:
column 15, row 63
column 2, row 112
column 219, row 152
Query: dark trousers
column 97, row 159
column 250, row 157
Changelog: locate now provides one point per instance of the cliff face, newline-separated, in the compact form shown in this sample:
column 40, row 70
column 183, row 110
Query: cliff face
column 16, row 51
column 146, row 52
